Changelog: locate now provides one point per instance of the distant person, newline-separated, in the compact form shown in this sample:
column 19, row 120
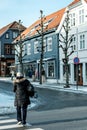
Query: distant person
column 43, row 75
column 22, row 99
column 12, row 75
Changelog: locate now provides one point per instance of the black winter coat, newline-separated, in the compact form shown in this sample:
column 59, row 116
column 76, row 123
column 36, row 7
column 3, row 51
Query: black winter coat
column 21, row 92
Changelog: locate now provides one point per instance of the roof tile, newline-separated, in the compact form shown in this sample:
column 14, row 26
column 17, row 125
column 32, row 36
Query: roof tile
column 13, row 25
column 53, row 22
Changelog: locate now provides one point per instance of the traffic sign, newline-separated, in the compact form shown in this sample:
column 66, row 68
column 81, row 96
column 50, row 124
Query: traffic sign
column 76, row 60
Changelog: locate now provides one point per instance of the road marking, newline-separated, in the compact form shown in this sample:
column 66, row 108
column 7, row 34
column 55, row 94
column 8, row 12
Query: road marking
column 4, row 121
column 7, row 121
column 9, row 127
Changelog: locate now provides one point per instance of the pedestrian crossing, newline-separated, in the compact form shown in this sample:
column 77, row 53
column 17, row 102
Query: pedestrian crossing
column 8, row 124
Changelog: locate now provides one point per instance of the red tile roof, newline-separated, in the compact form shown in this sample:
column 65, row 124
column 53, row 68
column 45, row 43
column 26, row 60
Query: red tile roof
column 75, row 1
column 54, row 18
column 13, row 25
column 53, row 22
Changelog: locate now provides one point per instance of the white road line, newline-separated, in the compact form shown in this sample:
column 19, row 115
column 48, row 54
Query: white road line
column 5, row 126
column 7, row 121
column 9, row 127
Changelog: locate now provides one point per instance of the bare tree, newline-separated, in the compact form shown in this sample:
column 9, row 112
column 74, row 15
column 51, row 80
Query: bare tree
column 65, row 44
column 41, row 32
column 20, row 49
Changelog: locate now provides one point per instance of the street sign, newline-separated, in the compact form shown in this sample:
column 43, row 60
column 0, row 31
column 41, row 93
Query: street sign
column 76, row 60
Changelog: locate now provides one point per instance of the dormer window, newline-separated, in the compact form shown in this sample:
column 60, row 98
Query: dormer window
column 7, row 35
column 15, row 34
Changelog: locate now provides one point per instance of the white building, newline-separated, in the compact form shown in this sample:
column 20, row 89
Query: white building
column 78, row 25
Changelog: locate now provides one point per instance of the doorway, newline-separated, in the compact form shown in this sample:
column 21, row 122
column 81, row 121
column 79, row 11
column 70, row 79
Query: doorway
column 78, row 73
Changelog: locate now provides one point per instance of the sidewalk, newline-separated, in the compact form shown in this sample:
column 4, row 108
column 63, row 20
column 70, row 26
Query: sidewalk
column 55, row 86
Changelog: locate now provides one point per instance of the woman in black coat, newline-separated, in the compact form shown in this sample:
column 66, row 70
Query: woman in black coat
column 22, row 100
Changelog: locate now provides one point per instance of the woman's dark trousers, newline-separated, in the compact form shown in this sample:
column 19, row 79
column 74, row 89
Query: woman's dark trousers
column 22, row 113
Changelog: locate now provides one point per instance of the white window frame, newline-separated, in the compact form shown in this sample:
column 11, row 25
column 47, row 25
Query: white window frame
column 49, row 44
column 73, row 43
column 29, row 49
column 7, row 35
column 72, row 19
column 81, row 16
column 44, row 45
column 82, row 41
column 15, row 34
column 35, row 47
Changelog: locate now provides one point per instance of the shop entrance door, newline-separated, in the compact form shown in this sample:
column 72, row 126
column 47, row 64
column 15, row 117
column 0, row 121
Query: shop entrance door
column 80, row 77
column 78, row 74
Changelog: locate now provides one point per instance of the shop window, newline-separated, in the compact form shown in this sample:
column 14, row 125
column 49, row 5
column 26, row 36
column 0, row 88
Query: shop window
column 51, row 68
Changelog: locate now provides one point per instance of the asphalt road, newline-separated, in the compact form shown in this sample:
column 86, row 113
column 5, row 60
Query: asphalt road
column 54, row 99
column 51, row 99
column 57, row 110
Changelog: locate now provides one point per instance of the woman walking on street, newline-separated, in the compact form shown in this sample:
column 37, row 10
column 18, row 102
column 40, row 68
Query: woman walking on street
column 22, row 99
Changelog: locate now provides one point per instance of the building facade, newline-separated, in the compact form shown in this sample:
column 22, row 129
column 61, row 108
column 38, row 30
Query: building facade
column 78, row 60
column 53, row 55
column 32, row 47
column 7, row 51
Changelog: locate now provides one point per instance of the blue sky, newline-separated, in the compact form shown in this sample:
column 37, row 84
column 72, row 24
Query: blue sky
column 28, row 11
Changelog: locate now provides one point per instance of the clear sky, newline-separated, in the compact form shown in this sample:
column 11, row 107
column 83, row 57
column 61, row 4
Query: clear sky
column 28, row 11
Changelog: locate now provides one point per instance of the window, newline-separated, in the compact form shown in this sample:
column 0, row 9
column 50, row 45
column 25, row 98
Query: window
column 82, row 41
column 35, row 47
column 72, row 19
column 7, row 35
column 51, row 69
column 15, row 34
column 23, row 50
column 74, row 43
column 12, row 49
column 9, row 49
column 81, row 16
column 44, row 45
column 49, row 44
column 28, row 49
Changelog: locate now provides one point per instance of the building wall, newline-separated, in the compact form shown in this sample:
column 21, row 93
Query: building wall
column 50, row 59
column 77, row 30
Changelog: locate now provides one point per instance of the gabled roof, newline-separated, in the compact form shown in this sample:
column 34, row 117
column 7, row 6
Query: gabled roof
column 76, row 1
column 51, row 21
column 13, row 25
